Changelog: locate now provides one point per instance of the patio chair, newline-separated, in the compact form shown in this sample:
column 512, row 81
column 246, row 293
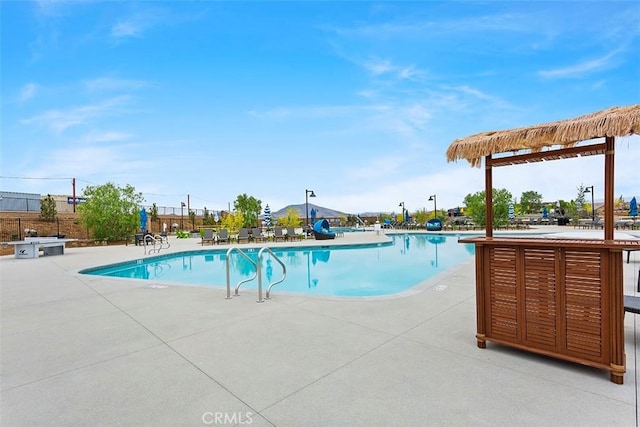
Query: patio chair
column 243, row 235
column 223, row 236
column 208, row 236
column 291, row 234
column 632, row 303
column 256, row 234
column 277, row 234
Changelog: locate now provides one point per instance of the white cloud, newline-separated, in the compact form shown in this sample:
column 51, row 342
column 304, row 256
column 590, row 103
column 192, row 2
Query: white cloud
column 27, row 92
column 126, row 29
column 378, row 66
column 378, row 168
column 60, row 120
column 109, row 136
column 580, row 69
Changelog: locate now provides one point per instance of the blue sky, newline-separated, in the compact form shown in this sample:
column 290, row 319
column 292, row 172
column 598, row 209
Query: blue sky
column 357, row 101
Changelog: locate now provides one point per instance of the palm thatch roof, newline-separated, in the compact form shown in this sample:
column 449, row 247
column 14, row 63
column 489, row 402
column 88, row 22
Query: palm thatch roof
column 615, row 121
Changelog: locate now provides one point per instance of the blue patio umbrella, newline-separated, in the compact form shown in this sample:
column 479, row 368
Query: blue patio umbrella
column 267, row 216
column 544, row 212
column 512, row 212
column 633, row 207
column 313, row 215
column 406, row 216
column 143, row 219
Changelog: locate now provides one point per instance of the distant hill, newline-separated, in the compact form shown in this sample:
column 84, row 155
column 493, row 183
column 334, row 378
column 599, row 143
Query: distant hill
column 321, row 212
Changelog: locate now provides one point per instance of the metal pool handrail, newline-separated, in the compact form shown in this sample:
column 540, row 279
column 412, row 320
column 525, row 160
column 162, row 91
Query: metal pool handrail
column 154, row 240
column 284, row 273
column 242, row 281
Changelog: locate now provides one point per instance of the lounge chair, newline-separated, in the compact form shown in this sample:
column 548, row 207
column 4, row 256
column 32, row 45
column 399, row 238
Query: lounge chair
column 277, row 234
column 291, row 234
column 632, row 303
column 321, row 230
column 223, row 236
column 434, row 224
column 208, row 236
column 256, row 234
column 243, row 235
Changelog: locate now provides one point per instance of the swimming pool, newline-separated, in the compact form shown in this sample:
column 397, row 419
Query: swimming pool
column 369, row 270
column 347, row 229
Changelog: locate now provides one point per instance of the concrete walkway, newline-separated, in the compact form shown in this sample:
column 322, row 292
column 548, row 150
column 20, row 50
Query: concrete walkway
column 86, row 350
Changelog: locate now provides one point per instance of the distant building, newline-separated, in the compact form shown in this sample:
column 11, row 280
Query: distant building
column 19, row 202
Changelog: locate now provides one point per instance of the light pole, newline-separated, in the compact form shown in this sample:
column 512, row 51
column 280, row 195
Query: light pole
column 307, row 194
column 589, row 189
column 435, row 208
column 182, row 205
column 402, row 217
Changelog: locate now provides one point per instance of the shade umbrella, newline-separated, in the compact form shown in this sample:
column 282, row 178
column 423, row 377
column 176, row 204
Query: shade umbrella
column 406, row 217
column 512, row 212
column 633, row 208
column 143, row 219
column 545, row 214
column 313, row 215
column 267, row 216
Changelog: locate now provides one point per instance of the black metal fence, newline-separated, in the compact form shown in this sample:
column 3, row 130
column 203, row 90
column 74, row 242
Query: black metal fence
column 17, row 228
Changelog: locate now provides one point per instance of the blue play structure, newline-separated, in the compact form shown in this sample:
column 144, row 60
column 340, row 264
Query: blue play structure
column 321, row 230
column 434, row 224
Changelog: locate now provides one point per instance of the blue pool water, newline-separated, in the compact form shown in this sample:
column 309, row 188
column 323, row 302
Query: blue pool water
column 370, row 270
column 346, row 229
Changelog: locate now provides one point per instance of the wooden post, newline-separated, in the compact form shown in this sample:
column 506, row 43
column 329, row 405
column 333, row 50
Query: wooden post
column 609, row 162
column 488, row 191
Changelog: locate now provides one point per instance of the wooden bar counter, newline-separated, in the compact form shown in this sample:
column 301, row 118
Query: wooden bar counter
column 558, row 297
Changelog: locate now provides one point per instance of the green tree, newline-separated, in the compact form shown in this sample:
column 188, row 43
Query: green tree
column 421, row 216
column 111, row 212
column 580, row 204
column 48, row 211
column 208, row 217
column 192, row 217
column 153, row 214
column 530, row 202
column 290, row 219
column 250, row 207
column 233, row 221
column 476, row 207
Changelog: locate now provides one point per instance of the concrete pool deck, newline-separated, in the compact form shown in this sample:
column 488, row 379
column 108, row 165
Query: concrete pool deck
column 89, row 350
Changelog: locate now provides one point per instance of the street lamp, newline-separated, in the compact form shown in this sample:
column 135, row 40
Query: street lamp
column 435, row 209
column 307, row 194
column 402, row 217
column 182, row 205
column 589, row 189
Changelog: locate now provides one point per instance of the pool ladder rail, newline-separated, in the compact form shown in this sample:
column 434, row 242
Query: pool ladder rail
column 155, row 243
column 258, row 273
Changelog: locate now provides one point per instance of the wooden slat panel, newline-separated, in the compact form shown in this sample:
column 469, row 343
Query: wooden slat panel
column 583, row 304
column 540, row 297
column 503, row 321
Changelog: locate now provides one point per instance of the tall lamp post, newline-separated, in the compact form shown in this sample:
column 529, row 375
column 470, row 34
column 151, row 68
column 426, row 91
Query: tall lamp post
column 402, row 217
column 589, row 189
column 182, row 205
column 435, row 208
column 307, row 194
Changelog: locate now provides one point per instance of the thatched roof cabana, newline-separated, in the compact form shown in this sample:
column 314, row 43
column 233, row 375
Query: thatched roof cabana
column 558, row 297
column 615, row 121
column 551, row 141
